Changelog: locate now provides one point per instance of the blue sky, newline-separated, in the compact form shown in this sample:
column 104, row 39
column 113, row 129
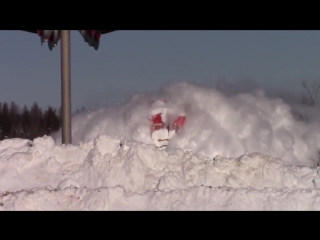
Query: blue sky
column 131, row 61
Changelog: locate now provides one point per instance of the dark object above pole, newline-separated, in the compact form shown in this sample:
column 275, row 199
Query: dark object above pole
column 52, row 37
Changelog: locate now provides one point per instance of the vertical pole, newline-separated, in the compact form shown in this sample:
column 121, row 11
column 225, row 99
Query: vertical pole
column 66, row 86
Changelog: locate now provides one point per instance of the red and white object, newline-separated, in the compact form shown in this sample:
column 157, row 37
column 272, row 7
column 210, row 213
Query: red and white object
column 162, row 129
column 92, row 37
column 52, row 37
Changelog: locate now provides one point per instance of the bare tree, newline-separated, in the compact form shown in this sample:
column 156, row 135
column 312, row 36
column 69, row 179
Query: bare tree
column 310, row 93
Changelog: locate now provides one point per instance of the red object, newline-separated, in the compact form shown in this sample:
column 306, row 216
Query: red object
column 91, row 33
column 97, row 36
column 179, row 122
column 157, row 122
column 51, row 37
column 40, row 32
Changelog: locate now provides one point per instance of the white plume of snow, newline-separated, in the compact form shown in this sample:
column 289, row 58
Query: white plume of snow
column 216, row 124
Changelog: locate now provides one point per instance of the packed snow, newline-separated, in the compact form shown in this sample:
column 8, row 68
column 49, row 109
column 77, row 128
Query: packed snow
column 245, row 151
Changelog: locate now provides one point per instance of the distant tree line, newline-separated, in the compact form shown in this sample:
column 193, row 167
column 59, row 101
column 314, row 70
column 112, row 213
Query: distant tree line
column 27, row 123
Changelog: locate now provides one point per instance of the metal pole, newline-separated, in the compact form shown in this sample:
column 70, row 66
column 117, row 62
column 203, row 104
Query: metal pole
column 66, row 87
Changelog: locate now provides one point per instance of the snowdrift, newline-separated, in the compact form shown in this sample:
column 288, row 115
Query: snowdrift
column 242, row 151
column 109, row 173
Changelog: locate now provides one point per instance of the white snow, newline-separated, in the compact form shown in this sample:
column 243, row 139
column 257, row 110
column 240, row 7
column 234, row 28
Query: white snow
column 240, row 152
column 216, row 124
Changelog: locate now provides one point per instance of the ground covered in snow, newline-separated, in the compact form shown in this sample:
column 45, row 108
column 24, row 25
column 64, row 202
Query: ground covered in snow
column 111, row 174
column 240, row 152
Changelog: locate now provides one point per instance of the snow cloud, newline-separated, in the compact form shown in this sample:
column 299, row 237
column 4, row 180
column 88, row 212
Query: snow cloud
column 220, row 121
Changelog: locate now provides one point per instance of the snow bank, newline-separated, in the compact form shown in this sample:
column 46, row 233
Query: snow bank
column 217, row 124
column 236, row 152
column 109, row 173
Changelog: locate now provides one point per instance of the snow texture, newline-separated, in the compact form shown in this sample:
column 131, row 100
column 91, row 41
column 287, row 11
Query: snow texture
column 240, row 152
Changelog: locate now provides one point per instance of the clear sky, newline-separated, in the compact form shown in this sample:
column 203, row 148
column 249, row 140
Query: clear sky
column 131, row 61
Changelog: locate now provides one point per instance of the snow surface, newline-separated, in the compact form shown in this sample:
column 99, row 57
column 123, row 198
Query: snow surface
column 240, row 152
